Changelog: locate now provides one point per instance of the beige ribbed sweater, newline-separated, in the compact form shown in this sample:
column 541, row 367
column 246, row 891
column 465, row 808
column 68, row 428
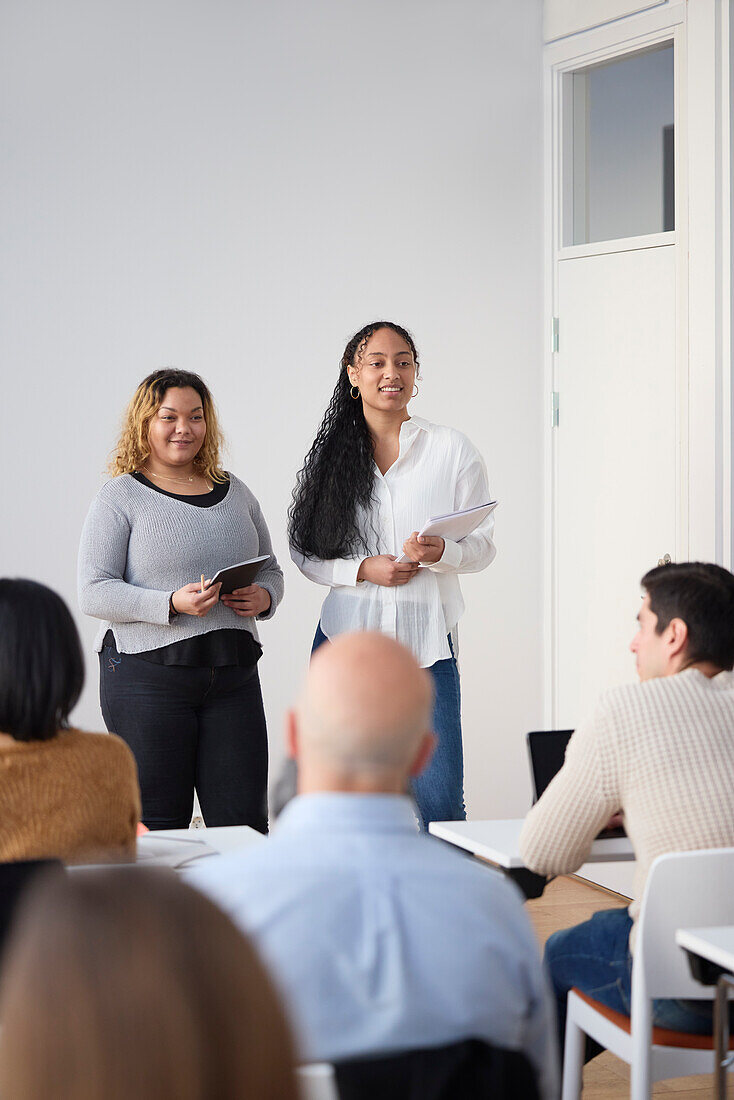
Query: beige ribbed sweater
column 75, row 798
column 661, row 750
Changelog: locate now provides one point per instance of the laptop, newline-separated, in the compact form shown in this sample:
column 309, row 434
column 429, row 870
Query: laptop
column 547, row 751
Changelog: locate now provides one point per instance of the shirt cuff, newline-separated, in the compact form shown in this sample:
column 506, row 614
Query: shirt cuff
column 158, row 608
column 450, row 559
column 345, row 571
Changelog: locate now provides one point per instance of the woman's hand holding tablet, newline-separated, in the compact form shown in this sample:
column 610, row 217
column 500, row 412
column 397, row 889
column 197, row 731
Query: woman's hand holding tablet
column 191, row 600
column 249, row 601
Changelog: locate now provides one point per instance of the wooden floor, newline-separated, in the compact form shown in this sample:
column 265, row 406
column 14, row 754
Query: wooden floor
column 568, row 901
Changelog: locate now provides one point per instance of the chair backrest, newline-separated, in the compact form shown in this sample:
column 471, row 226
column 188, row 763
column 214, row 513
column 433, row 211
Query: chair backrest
column 683, row 890
column 466, row 1070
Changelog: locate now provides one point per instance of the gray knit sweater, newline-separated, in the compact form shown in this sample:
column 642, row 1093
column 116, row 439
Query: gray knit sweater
column 138, row 546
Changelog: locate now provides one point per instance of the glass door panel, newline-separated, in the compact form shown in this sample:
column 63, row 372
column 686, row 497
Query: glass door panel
column 619, row 170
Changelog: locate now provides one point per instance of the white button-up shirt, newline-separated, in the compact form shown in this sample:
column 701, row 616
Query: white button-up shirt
column 437, row 471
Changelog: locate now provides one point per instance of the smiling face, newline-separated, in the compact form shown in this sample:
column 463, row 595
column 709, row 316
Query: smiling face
column 178, row 429
column 384, row 370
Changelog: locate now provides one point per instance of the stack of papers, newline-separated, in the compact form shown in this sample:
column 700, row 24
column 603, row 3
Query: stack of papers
column 455, row 525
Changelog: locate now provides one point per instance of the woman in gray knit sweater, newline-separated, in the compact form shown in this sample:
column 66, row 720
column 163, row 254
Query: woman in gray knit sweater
column 178, row 662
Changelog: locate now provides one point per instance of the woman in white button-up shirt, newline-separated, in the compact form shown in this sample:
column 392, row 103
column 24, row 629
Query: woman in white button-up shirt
column 372, row 478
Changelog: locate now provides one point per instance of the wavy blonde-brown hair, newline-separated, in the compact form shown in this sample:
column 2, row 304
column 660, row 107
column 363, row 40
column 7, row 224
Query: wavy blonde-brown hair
column 133, row 447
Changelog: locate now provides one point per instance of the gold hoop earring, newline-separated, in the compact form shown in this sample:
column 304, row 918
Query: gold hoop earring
column 417, row 391
column 354, row 395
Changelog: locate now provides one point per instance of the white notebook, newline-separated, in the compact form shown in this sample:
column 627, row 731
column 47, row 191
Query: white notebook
column 456, row 525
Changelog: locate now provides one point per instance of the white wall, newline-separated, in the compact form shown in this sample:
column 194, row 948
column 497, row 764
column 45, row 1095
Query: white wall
column 234, row 188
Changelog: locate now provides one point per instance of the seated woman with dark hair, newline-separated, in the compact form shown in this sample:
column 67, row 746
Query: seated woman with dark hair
column 63, row 793
column 168, row 997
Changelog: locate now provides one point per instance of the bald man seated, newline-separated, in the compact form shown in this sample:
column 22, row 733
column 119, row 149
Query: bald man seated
column 381, row 938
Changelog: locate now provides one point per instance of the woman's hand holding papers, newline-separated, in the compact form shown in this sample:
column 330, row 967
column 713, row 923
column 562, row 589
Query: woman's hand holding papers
column 383, row 569
column 424, row 549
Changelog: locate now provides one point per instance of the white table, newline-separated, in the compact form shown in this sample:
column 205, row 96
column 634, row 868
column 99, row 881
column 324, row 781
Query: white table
column 158, row 848
column 499, row 842
column 715, row 945
column 225, row 838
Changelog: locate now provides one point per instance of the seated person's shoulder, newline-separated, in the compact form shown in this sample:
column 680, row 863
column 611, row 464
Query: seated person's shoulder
column 629, row 714
column 104, row 747
column 638, row 695
column 647, row 695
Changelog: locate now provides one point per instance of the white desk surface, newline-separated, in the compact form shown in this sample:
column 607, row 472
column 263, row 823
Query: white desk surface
column 151, row 853
column 225, row 838
column 499, row 841
column 714, row 944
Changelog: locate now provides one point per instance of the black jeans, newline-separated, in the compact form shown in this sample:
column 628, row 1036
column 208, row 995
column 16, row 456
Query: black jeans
column 190, row 727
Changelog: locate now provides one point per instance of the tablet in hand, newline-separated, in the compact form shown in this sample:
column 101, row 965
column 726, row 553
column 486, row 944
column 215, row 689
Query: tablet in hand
column 238, row 576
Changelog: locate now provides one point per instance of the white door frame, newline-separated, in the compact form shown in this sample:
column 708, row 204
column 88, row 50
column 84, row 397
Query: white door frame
column 702, row 34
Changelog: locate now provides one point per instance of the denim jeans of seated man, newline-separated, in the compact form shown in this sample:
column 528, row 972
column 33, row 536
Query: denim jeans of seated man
column 595, row 958
column 439, row 791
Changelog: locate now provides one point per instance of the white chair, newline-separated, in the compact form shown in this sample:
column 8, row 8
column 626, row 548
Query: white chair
column 317, row 1081
column 684, row 890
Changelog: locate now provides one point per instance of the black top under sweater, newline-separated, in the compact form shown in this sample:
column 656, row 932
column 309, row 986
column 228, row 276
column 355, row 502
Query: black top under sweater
column 218, row 648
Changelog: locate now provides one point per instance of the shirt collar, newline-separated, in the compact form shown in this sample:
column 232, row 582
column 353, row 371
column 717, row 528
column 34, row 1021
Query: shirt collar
column 415, row 424
column 340, row 812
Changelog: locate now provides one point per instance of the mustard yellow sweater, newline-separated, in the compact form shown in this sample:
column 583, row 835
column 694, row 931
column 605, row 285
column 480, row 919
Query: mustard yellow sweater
column 74, row 797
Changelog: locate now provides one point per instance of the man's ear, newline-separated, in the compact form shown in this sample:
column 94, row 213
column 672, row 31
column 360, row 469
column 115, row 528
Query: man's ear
column 423, row 754
column 291, row 734
column 677, row 637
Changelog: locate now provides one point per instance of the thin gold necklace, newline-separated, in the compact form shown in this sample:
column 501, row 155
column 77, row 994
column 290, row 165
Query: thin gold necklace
column 164, row 477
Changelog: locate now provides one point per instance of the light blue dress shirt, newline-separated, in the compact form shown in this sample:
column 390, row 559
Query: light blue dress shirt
column 382, row 939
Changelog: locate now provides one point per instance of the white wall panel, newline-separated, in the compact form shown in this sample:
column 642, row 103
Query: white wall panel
column 564, row 17
column 234, row 188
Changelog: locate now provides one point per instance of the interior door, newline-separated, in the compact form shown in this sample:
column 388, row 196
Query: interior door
column 616, row 460
column 616, row 471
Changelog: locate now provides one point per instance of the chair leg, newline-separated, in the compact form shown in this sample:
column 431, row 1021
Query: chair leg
column 573, row 1060
column 640, row 1079
column 641, row 1075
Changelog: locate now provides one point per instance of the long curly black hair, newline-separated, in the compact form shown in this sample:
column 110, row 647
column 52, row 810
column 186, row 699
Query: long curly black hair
column 336, row 481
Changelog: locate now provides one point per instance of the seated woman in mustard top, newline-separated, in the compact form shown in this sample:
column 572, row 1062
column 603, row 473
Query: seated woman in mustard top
column 63, row 794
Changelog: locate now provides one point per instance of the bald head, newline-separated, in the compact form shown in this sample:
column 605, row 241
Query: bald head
column 364, row 711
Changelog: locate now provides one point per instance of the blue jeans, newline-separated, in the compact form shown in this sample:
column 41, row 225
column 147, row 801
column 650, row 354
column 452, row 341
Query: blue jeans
column 595, row 958
column 439, row 791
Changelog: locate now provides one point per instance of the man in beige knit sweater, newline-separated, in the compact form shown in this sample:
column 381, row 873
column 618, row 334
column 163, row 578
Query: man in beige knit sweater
column 662, row 751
